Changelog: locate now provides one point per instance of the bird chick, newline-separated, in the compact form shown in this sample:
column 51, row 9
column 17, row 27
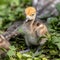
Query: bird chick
column 33, row 28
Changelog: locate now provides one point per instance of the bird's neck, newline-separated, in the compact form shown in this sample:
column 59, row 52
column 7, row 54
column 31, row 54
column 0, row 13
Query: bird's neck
column 31, row 25
column 32, row 22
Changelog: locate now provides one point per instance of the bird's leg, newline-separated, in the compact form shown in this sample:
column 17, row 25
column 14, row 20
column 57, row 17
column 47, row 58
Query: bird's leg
column 28, row 44
column 24, row 51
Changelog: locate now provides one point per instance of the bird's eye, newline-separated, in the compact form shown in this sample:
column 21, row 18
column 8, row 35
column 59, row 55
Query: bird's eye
column 32, row 15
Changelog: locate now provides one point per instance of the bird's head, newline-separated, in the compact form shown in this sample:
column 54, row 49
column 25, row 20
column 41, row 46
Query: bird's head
column 30, row 13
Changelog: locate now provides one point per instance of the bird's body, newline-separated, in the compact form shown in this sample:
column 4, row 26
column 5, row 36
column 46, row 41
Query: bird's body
column 33, row 30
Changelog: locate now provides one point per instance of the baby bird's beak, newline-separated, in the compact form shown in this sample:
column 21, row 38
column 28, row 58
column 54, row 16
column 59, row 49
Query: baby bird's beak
column 28, row 18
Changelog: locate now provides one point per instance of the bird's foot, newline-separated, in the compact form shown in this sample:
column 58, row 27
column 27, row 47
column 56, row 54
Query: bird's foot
column 24, row 51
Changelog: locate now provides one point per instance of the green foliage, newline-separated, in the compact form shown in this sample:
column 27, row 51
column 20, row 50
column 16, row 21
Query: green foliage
column 58, row 7
column 54, row 28
column 11, row 52
column 19, row 55
column 12, row 10
column 54, row 23
column 21, row 31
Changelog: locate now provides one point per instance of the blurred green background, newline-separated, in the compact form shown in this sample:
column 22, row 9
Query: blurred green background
column 12, row 10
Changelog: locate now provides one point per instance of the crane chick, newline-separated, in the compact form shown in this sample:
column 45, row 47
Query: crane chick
column 33, row 28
